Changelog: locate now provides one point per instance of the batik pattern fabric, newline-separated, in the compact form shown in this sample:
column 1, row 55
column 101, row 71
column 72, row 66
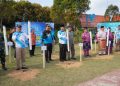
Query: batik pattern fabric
column 20, row 39
column 102, row 39
column 86, row 41
column 62, row 36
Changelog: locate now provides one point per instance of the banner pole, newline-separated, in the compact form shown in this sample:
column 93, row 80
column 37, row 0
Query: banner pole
column 91, row 40
column 5, row 40
column 29, row 34
column 44, row 59
column 95, row 46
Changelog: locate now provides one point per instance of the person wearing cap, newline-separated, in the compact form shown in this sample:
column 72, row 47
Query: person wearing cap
column 86, row 42
column 111, row 38
column 20, row 39
column 62, row 36
column 47, row 39
column 71, row 54
column 118, row 39
column 33, row 38
column 102, row 38
column 2, row 52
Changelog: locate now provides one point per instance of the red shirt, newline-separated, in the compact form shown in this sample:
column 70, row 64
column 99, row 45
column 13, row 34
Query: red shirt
column 33, row 38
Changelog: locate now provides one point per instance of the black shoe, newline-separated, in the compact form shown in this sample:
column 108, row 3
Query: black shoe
column 17, row 68
column 65, row 59
column 47, row 62
column 4, row 68
column 24, row 68
column 51, row 60
column 73, row 58
column 88, row 56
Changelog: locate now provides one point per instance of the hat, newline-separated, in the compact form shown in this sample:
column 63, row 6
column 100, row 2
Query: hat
column 19, row 26
column 102, row 26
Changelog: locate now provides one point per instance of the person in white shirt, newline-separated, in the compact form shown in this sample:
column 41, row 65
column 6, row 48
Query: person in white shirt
column 62, row 36
column 102, row 38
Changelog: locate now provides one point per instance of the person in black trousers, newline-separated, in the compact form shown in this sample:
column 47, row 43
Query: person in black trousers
column 62, row 35
column 33, row 39
column 2, row 53
column 47, row 39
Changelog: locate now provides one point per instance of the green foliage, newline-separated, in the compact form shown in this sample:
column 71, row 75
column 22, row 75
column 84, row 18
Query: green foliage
column 64, row 11
column 7, row 11
column 112, row 10
column 11, row 11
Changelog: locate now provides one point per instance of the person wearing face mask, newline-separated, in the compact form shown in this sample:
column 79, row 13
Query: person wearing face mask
column 62, row 36
column 47, row 39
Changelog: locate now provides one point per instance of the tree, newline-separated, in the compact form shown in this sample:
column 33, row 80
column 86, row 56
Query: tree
column 112, row 11
column 6, row 11
column 64, row 11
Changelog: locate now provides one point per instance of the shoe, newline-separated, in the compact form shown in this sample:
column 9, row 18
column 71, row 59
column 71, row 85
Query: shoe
column 24, row 68
column 88, row 56
column 4, row 68
column 73, row 58
column 17, row 68
column 47, row 62
column 51, row 60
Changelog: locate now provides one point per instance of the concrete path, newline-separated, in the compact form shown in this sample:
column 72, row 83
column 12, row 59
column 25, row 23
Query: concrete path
column 109, row 79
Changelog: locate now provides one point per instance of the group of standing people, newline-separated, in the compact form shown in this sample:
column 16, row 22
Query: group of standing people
column 66, row 52
column 107, row 40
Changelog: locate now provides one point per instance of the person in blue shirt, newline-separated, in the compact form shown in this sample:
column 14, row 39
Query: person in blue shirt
column 62, row 36
column 118, row 39
column 47, row 39
column 20, row 39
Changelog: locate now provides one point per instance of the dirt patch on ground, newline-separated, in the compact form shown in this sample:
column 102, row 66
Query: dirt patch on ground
column 69, row 64
column 24, row 75
column 104, row 57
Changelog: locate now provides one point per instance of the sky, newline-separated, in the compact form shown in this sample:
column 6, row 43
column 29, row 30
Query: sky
column 97, row 7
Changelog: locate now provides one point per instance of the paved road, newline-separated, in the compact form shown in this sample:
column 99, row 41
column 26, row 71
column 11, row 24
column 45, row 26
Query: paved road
column 109, row 79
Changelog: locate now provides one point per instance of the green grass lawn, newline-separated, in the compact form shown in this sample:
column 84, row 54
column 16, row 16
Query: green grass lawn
column 55, row 75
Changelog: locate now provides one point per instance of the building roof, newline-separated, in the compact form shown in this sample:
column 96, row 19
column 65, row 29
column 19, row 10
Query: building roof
column 91, row 21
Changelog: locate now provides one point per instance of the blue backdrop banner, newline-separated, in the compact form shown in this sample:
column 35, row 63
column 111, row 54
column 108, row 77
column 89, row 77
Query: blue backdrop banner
column 112, row 25
column 39, row 27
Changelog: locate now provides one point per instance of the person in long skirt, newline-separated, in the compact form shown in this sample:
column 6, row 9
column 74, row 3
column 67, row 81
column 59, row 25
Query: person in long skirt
column 86, row 42
column 102, row 38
